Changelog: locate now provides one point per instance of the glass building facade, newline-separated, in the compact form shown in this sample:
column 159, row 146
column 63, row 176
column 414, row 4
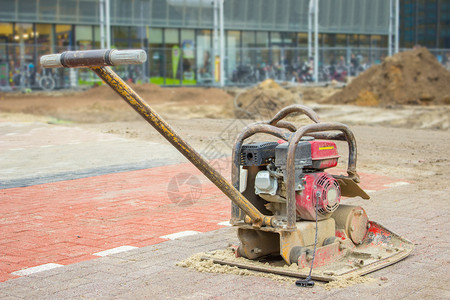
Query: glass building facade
column 425, row 23
column 178, row 34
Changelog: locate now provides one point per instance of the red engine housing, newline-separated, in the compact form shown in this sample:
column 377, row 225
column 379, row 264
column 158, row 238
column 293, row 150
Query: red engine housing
column 323, row 154
column 320, row 187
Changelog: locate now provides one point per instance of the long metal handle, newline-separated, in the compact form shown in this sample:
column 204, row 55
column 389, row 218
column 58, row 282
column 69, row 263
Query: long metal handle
column 90, row 58
column 97, row 60
column 117, row 84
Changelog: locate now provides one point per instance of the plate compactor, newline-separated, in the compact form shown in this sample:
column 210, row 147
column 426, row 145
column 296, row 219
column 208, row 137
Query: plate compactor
column 283, row 200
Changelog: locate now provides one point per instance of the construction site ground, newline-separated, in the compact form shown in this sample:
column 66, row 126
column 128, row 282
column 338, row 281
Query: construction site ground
column 93, row 206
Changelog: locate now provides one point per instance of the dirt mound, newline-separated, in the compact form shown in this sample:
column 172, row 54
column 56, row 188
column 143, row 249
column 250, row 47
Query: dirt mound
column 263, row 100
column 102, row 104
column 412, row 77
column 316, row 94
column 153, row 93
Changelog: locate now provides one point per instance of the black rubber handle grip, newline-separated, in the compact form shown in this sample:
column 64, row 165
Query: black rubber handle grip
column 94, row 58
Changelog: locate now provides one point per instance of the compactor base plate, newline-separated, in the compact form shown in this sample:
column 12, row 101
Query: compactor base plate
column 380, row 248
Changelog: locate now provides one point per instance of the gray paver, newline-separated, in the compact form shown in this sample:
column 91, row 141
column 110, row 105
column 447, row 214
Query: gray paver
column 151, row 273
column 431, row 293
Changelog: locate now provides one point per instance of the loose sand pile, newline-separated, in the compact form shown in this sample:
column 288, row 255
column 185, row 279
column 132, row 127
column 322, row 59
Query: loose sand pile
column 412, row 77
column 349, row 281
column 208, row 266
column 263, row 100
column 197, row 263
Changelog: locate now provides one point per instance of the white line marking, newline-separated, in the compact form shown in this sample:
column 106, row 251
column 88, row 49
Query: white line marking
column 17, row 149
column 47, row 146
column 11, row 133
column 181, row 234
column 36, row 269
column 115, row 250
column 398, row 183
column 224, row 223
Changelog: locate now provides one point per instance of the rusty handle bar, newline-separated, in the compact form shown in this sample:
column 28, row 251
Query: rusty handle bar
column 89, row 58
column 132, row 98
column 96, row 61
column 295, row 108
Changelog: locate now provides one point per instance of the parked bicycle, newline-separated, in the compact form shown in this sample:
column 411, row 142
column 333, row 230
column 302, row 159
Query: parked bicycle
column 46, row 81
column 303, row 72
column 333, row 72
column 29, row 78
column 245, row 74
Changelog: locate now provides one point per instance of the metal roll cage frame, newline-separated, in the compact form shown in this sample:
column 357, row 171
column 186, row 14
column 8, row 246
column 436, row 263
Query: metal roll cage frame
column 275, row 127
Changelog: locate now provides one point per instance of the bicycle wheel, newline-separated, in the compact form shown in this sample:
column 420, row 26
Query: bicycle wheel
column 47, row 83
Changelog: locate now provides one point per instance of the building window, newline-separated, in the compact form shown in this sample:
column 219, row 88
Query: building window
column 329, row 40
column 24, row 35
column 6, row 33
column 156, row 55
column 248, row 45
column 353, row 40
column 341, row 40
column 45, row 39
column 83, row 37
column 262, row 52
column 188, row 55
column 120, row 36
column 173, row 54
column 205, row 57
column 364, row 40
column 6, row 59
column 302, row 38
column 64, row 36
column 233, row 51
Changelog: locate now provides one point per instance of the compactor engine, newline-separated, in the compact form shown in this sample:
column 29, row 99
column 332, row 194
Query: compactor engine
column 313, row 186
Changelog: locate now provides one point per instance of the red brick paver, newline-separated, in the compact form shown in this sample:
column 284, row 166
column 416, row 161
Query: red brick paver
column 66, row 222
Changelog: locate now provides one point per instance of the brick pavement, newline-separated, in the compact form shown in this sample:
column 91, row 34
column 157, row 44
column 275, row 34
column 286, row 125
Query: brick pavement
column 150, row 272
column 66, row 222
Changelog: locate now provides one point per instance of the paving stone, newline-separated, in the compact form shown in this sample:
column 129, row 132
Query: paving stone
column 398, row 287
column 70, row 220
column 8, row 297
column 431, row 293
